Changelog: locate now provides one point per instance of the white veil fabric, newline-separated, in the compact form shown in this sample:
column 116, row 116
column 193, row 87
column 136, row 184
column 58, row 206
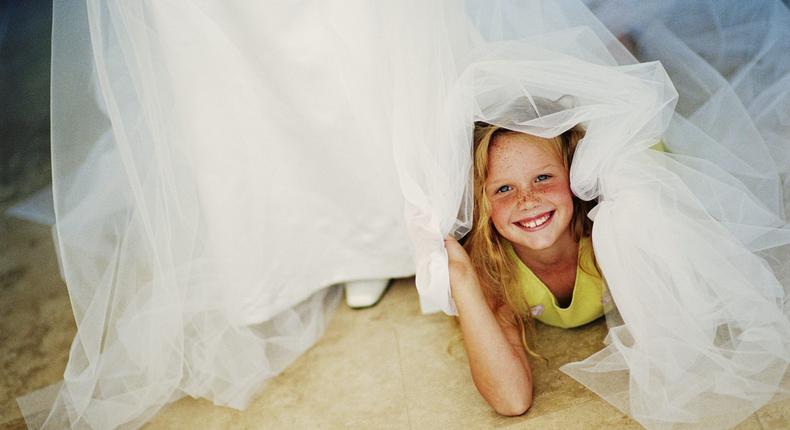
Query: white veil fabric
column 216, row 167
column 693, row 244
column 218, row 164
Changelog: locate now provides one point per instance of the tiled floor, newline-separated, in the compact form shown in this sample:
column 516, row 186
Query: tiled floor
column 388, row 367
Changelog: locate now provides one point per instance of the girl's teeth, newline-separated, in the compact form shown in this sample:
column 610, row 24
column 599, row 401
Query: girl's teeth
column 537, row 222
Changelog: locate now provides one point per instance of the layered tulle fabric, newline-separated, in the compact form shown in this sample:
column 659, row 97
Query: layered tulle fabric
column 693, row 244
column 217, row 164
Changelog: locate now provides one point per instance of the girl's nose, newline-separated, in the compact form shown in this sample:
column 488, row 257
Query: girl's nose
column 529, row 199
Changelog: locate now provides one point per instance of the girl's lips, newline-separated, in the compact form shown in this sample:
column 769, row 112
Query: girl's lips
column 535, row 223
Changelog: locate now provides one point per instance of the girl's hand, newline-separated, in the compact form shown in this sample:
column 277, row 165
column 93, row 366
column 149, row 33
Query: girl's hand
column 460, row 265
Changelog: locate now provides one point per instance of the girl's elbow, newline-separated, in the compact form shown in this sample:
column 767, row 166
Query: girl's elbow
column 514, row 407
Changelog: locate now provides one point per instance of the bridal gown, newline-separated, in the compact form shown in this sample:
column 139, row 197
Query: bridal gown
column 217, row 165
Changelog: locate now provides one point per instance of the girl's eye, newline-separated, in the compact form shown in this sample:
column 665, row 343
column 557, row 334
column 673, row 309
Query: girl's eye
column 541, row 178
column 503, row 189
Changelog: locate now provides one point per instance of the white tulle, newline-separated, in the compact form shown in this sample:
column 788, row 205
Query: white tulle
column 218, row 164
column 216, row 167
column 693, row 244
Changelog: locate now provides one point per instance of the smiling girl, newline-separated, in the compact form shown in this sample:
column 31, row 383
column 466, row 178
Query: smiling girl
column 528, row 256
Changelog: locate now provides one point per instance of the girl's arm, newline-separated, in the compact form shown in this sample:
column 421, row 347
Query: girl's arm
column 500, row 369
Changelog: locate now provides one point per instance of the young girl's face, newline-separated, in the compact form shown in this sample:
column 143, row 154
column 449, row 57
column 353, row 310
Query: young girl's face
column 529, row 191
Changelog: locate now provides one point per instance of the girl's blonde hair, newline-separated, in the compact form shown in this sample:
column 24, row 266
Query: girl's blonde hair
column 487, row 249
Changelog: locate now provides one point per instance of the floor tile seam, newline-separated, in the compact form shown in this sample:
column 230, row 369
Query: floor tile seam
column 402, row 376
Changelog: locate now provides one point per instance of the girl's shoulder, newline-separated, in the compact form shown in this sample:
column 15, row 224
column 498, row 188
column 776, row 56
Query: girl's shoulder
column 587, row 262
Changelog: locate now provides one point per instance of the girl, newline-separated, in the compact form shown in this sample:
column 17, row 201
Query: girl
column 529, row 255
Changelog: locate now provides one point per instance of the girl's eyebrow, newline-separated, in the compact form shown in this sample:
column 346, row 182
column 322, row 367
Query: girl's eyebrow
column 496, row 180
column 545, row 167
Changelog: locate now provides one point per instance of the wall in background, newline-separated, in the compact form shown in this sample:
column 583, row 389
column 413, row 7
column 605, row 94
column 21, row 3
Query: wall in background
column 25, row 28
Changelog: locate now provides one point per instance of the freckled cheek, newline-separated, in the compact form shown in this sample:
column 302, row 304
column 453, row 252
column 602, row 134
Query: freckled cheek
column 500, row 210
column 557, row 192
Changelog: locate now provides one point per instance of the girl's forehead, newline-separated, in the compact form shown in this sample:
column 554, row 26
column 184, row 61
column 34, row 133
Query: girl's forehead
column 522, row 150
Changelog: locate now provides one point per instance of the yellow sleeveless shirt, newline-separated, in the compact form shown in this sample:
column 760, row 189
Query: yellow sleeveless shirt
column 587, row 301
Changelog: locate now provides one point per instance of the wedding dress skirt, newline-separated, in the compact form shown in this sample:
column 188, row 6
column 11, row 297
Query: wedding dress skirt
column 218, row 164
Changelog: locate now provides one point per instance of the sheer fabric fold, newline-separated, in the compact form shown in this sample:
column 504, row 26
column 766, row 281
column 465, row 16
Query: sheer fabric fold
column 693, row 243
column 217, row 166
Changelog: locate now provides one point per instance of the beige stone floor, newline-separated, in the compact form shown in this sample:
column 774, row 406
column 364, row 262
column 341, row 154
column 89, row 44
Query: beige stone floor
column 387, row 367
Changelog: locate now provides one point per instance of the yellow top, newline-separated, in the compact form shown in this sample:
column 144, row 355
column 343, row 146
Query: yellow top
column 586, row 301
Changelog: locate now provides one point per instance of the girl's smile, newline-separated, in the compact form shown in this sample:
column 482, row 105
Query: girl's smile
column 535, row 223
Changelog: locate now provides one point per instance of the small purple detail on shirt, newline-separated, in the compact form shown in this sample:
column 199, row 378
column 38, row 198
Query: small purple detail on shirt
column 537, row 310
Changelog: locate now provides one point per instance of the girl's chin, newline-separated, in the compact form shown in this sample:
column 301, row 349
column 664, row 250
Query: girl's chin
column 536, row 245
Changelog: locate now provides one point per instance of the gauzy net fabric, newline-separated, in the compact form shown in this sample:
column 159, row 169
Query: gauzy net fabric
column 217, row 163
column 693, row 243
column 216, row 167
